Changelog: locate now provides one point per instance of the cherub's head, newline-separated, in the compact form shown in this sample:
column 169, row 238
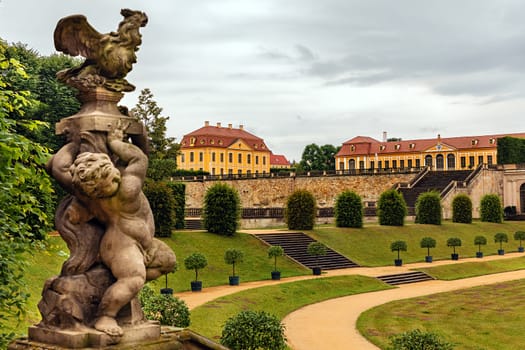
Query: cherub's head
column 95, row 175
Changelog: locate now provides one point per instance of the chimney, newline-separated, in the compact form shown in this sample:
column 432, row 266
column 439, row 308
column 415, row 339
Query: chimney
column 241, row 126
column 206, row 123
column 218, row 125
column 230, row 126
column 384, row 136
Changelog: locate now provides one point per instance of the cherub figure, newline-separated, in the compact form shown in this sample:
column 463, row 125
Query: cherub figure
column 113, row 195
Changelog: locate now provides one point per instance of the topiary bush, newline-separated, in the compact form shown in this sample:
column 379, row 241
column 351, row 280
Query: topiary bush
column 252, row 330
column 491, row 209
column 391, row 208
column 222, row 209
column 428, row 208
column 178, row 190
column 348, row 210
column 162, row 205
column 462, row 209
column 418, row 340
column 165, row 308
column 300, row 210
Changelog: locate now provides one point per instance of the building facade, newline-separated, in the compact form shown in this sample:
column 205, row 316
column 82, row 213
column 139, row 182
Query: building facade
column 279, row 161
column 452, row 153
column 222, row 150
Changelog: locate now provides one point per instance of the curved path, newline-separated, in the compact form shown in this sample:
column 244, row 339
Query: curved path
column 336, row 318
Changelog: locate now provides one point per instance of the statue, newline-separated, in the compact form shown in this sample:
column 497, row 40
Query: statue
column 106, row 220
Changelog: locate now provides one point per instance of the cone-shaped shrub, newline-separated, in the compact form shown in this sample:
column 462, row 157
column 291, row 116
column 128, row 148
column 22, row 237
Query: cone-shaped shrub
column 391, row 208
column 490, row 208
column 462, row 209
column 349, row 210
column 300, row 210
column 428, row 208
column 222, row 209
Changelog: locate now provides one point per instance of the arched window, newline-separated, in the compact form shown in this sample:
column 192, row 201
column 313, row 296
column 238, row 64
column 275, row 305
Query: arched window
column 440, row 164
column 451, row 162
column 428, row 160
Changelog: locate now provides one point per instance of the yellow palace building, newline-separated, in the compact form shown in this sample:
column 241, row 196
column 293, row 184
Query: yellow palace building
column 452, row 153
column 224, row 151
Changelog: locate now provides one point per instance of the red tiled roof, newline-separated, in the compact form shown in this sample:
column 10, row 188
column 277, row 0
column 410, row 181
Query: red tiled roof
column 278, row 159
column 362, row 145
column 222, row 137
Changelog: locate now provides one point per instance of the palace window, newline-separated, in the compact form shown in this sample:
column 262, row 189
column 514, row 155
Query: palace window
column 182, row 158
column 489, row 160
column 191, row 157
column 418, row 163
column 402, row 163
column 264, row 160
column 480, row 160
column 463, row 161
column 379, row 164
column 361, row 164
column 257, row 160
column 387, row 164
column 471, row 161
column 372, row 164
column 230, row 157
column 451, row 162
column 249, row 158
column 222, row 157
column 201, row 156
column 394, row 164
column 239, row 158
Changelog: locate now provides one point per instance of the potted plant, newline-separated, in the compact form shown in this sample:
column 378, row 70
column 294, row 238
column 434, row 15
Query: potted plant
column 196, row 261
column 479, row 241
column 501, row 237
column 316, row 249
column 428, row 242
column 520, row 236
column 454, row 242
column 399, row 246
column 232, row 257
column 274, row 252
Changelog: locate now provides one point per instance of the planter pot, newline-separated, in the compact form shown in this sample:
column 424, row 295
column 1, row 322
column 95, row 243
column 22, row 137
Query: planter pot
column 276, row 275
column 454, row 256
column 428, row 258
column 521, row 249
column 479, row 254
column 166, row 291
column 196, row 286
column 316, row 271
column 398, row 262
column 234, row 280
column 501, row 251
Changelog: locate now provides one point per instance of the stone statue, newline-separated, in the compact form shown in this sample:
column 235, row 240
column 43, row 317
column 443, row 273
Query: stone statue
column 109, row 57
column 106, row 220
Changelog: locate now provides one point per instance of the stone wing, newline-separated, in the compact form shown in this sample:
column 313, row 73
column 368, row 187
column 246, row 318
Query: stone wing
column 75, row 36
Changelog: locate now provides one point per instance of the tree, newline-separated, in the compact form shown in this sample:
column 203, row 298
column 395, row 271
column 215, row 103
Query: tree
column 398, row 246
column 349, row 210
column 427, row 242
column 25, row 189
column 300, row 210
column 490, row 209
column 462, row 209
column 233, row 256
column 148, row 112
column 511, row 150
column 428, row 208
column 391, row 208
column 318, row 158
column 195, row 261
column 222, row 209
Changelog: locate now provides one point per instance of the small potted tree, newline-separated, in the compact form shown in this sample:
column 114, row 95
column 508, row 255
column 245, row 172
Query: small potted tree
column 501, row 237
column 398, row 246
column 316, row 249
column 274, row 252
column 196, row 261
column 454, row 242
column 520, row 236
column 479, row 241
column 232, row 257
column 428, row 242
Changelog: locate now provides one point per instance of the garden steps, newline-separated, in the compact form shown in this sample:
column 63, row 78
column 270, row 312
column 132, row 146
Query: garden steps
column 295, row 245
column 404, row 278
column 193, row 224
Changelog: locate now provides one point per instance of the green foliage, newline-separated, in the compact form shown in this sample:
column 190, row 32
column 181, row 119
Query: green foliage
column 300, row 210
column 178, row 190
column 462, row 209
column 491, row 209
column 233, row 256
column 25, row 189
column 165, row 308
column 479, row 241
column 252, row 330
column 519, row 236
column 195, row 261
column 316, row 249
column 274, row 252
column 427, row 242
column 316, row 157
column 222, row 209
column 501, row 238
column 391, row 208
column 428, row 208
column 398, row 246
column 162, row 203
column 511, row 150
column 454, row 242
column 349, row 210
column 162, row 169
column 418, row 340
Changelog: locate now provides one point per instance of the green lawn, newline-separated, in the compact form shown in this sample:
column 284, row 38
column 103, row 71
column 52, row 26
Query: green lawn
column 482, row 318
column 370, row 246
column 279, row 300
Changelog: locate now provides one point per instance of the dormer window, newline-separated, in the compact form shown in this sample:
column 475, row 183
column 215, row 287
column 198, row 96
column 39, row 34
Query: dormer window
column 212, row 142
column 412, row 145
column 192, row 141
column 397, row 146
column 202, row 141
column 220, row 142
column 474, row 142
column 382, row 147
column 492, row 141
column 352, row 148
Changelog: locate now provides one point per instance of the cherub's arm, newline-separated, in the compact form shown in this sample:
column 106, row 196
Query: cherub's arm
column 58, row 166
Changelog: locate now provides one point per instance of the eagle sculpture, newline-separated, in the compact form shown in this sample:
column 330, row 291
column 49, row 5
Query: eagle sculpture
column 109, row 57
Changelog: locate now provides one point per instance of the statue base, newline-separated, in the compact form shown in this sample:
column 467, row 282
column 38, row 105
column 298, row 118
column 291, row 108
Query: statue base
column 169, row 338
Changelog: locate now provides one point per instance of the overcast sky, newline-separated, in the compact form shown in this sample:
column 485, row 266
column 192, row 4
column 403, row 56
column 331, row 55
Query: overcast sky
column 296, row 72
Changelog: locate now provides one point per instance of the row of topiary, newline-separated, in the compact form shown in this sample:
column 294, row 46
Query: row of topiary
column 429, row 242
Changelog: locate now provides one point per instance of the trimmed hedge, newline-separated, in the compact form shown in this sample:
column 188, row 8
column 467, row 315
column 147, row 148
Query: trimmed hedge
column 300, row 210
column 391, row 208
column 491, row 209
column 348, row 210
column 462, row 209
column 165, row 308
column 162, row 203
column 178, row 190
column 222, row 209
column 428, row 208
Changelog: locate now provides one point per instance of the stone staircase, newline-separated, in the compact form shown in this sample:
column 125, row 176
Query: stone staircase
column 404, row 278
column 295, row 245
column 193, row 224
